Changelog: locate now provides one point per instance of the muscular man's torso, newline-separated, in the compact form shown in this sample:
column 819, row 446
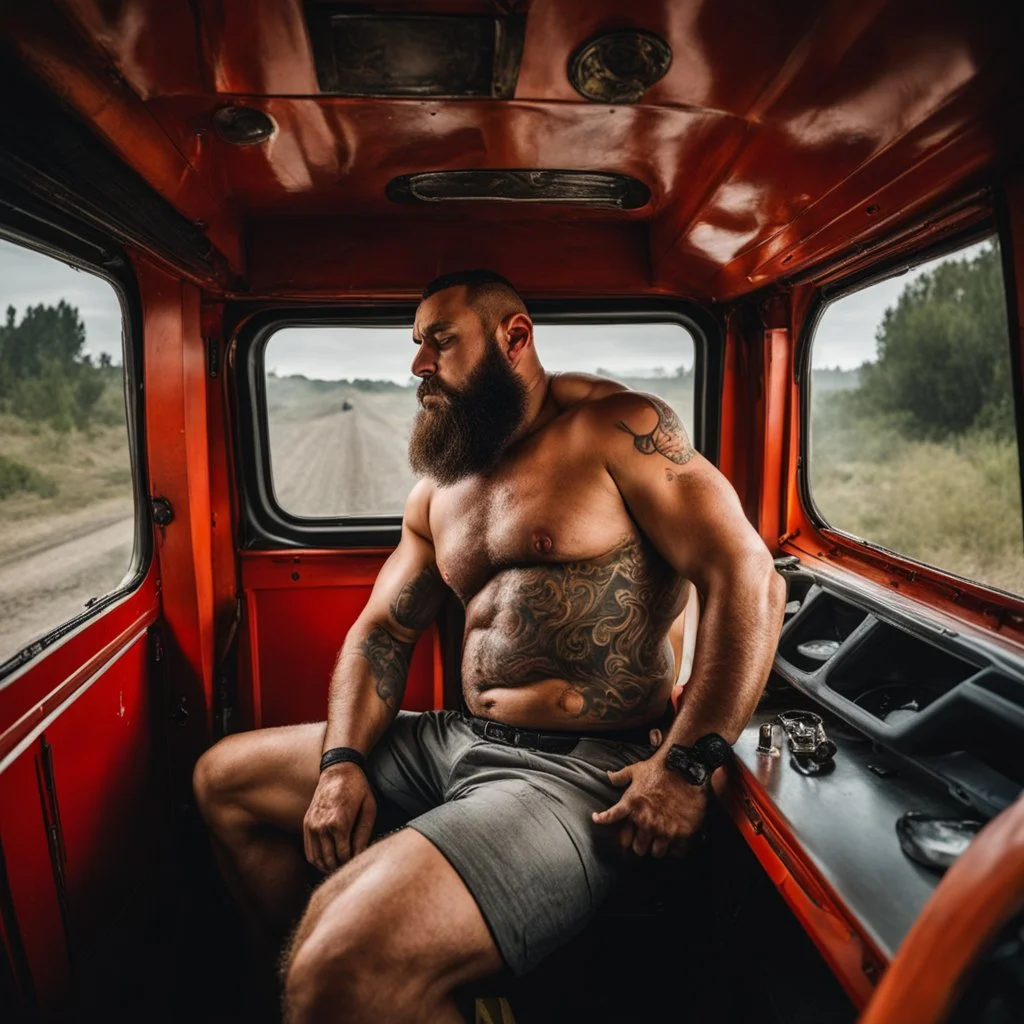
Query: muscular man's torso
column 568, row 606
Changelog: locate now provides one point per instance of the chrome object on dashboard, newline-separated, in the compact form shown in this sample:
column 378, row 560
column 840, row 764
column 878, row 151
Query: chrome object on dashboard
column 811, row 750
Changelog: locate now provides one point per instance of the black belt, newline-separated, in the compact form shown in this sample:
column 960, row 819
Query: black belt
column 560, row 742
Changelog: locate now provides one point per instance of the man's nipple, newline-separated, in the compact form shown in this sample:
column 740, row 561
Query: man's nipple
column 542, row 543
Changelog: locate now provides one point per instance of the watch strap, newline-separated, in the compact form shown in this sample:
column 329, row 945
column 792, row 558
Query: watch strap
column 341, row 755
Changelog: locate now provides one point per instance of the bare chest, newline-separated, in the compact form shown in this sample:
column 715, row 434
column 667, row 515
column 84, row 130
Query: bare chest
column 543, row 505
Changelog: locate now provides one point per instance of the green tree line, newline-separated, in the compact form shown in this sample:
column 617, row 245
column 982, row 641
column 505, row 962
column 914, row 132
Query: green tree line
column 45, row 376
column 943, row 355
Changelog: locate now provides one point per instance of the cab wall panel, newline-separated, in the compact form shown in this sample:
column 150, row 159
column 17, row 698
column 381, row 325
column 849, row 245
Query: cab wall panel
column 299, row 608
column 103, row 761
column 36, row 934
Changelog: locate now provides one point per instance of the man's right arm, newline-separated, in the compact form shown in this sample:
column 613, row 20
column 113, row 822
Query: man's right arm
column 368, row 683
column 372, row 669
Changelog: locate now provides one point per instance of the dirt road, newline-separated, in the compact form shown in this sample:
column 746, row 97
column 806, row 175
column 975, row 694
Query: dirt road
column 345, row 463
column 50, row 567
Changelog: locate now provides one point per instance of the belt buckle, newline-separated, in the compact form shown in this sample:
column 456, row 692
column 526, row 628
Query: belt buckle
column 497, row 732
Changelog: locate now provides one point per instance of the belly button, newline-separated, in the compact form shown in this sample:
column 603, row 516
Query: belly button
column 572, row 702
column 541, row 543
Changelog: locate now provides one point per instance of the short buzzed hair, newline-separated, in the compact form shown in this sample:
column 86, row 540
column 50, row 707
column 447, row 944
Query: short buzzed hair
column 490, row 294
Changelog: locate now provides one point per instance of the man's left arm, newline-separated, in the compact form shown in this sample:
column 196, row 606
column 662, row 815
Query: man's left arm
column 692, row 515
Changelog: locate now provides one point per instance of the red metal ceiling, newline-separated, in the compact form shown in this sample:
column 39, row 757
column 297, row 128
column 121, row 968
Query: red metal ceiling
column 778, row 123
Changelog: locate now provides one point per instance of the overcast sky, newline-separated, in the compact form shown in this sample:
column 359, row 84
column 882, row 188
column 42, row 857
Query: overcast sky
column 846, row 334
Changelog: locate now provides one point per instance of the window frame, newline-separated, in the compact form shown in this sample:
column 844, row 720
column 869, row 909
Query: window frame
column 829, row 294
column 266, row 526
column 27, row 223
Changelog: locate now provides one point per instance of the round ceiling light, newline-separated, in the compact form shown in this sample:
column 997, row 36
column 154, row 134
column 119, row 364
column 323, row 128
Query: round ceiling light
column 619, row 67
column 243, row 126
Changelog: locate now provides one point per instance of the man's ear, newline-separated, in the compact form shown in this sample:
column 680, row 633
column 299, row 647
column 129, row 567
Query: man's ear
column 516, row 336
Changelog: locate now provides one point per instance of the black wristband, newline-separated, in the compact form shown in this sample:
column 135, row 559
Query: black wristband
column 339, row 755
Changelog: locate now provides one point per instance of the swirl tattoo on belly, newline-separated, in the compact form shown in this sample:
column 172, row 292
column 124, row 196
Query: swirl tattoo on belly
column 600, row 625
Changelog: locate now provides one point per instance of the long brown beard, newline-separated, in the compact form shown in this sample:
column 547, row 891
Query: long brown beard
column 468, row 431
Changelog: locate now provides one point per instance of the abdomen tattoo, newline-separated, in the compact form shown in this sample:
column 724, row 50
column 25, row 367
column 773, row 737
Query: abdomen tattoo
column 600, row 625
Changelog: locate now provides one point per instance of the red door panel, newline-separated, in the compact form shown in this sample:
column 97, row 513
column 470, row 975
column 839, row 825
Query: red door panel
column 102, row 753
column 298, row 608
column 79, row 810
column 30, row 911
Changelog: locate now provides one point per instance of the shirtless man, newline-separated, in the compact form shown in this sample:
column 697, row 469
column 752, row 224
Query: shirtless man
column 569, row 535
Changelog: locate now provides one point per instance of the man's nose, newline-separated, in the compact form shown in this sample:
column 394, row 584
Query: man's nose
column 424, row 363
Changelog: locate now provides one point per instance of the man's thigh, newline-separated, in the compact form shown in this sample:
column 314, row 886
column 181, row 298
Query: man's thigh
column 271, row 774
column 521, row 839
column 268, row 774
column 401, row 905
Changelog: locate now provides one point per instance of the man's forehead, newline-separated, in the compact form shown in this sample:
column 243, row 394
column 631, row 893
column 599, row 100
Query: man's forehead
column 444, row 307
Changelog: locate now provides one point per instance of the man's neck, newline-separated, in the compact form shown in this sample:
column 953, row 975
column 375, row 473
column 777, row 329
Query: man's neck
column 540, row 408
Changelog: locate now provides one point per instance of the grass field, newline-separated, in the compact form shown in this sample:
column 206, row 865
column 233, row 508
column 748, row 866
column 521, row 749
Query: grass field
column 956, row 505
column 67, row 471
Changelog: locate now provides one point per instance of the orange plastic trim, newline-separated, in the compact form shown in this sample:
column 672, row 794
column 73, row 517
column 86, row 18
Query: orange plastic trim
column 978, row 896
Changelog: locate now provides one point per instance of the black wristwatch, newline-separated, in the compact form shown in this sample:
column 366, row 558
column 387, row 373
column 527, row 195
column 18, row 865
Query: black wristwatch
column 697, row 762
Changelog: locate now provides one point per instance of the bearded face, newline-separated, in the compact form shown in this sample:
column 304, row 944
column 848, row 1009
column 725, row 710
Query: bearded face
column 465, row 431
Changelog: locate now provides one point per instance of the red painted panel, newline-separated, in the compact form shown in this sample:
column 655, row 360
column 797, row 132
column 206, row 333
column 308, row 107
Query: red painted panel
column 176, row 383
column 35, row 691
column 103, row 769
column 388, row 258
column 37, row 928
column 299, row 607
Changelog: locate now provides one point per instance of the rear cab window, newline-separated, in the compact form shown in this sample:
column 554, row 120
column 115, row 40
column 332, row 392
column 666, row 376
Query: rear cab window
column 340, row 401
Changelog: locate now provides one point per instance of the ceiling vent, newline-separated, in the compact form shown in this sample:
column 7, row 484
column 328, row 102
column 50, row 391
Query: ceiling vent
column 579, row 188
column 426, row 55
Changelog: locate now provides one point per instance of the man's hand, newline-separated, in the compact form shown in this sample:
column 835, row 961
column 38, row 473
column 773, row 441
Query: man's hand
column 339, row 820
column 659, row 812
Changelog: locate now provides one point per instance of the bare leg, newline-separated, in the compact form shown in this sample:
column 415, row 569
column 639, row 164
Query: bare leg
column 253, row 790
column 387, row 937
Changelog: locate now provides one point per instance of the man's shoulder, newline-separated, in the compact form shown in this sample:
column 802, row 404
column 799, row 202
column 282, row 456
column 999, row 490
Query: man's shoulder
column 416, row 516
column 574, row 388
column 610, row 410
column 629, row 422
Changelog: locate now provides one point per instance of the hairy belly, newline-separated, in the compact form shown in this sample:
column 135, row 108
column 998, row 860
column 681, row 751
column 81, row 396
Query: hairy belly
column 556, row 704
column 578, row 645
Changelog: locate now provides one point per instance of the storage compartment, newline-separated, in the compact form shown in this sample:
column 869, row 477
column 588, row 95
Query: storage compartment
column 799, row 587
column 814, row 638
column 894, row 676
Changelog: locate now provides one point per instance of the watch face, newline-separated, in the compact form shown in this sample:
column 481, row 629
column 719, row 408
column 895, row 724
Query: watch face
column 714, row 750
column 687, row 763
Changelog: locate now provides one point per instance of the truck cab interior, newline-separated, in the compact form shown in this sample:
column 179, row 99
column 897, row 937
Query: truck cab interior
column 801, row 223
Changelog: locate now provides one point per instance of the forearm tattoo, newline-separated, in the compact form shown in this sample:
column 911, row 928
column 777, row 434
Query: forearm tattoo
column 389, row 662
column 600, row 625
column 419, row 601
column 668, row 437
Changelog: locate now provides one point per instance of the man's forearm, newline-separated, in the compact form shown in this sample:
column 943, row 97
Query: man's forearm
column 736, row 640
column 366, row 686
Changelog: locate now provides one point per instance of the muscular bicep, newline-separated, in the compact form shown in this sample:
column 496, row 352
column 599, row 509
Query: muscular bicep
column 684, row 505
column 409, row 591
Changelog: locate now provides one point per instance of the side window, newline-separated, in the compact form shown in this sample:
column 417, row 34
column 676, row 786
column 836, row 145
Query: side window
column 913, row 441
column 341, row 402
column 67, row 506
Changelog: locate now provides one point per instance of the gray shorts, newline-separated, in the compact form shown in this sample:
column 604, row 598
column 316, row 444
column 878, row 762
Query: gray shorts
column 514, row 823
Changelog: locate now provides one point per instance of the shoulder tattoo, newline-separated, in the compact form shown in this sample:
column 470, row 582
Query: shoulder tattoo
column 667, row 438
